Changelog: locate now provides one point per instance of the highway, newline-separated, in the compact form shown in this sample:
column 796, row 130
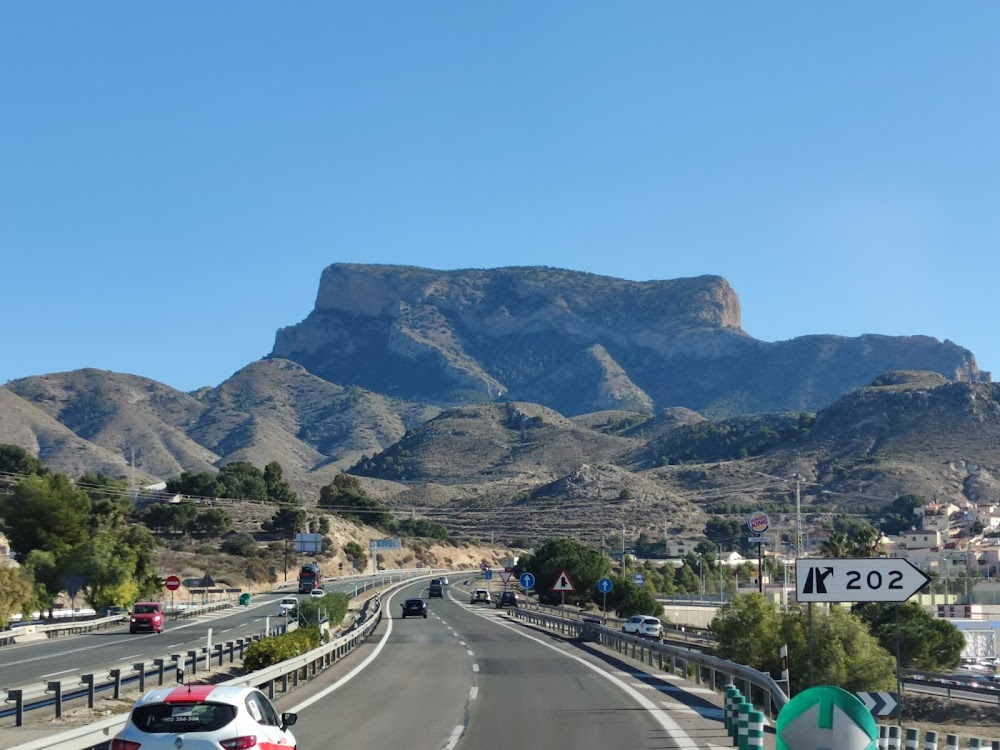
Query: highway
column 468, row 678
column 29, row 663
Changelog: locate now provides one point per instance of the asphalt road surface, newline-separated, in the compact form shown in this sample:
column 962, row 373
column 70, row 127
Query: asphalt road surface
column 468, row 678
column 25, row 664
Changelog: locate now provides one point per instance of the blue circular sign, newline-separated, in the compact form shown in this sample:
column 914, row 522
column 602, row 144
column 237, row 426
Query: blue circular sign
column 604, row 585
column 527, row 581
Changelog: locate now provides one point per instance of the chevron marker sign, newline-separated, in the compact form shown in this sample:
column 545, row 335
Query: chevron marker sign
column 880, row 704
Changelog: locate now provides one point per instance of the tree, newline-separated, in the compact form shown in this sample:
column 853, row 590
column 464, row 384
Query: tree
column 167, row 517
column 899, row 515
column 241, row 544
column 211, row 522
column 16, row 593
column 45, row 512
column 243, row 481
column 583, row 564
column 627, row 598
column 836, row 545
column 16, row 460
column 287, row 521
column 196, row 484
column 927, row 643
column 346, row 497
column 420, row 527
column 750, row 631
column 108, row 565
column 356, row 553
column 278, row 490
column 867, row 542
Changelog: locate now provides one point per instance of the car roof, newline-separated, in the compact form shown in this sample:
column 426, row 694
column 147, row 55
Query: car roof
column 415, row 599
column 232, row 694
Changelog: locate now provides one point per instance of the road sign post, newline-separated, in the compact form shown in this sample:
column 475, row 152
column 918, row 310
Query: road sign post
column 604, row 586
column 172, row 583
column 758, row 523
column 562, row 585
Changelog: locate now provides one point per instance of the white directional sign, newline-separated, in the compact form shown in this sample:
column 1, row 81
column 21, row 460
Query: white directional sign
column 863, row 579
column 563, row 583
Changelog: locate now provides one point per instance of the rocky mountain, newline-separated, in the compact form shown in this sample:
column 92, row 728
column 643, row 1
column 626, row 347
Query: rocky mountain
column 580, row 343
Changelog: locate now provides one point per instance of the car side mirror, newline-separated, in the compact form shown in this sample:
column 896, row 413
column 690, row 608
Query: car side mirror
column 288, row 719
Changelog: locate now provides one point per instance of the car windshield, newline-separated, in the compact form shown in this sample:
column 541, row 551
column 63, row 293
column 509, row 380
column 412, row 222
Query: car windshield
column 182, row 717
column 651, row 621
column 146, row 609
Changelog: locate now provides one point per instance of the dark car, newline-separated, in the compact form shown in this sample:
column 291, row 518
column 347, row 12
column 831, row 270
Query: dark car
column 435, row 590
column 415, row 607
column 508, row 599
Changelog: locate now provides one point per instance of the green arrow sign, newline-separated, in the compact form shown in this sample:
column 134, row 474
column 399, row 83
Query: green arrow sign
column 826, row 718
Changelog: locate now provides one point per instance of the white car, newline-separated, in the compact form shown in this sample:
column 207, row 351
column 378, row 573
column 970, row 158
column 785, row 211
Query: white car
column 317, row 593
column 444, row 580
column 643, row 626
column 205, row 717
column 287, row 605
column 480, row 596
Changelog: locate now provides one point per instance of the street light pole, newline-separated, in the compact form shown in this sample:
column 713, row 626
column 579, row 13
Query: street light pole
column 798, row 518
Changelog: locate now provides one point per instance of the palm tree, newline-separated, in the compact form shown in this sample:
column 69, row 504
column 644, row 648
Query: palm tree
column 867, row 542
column 836, row 545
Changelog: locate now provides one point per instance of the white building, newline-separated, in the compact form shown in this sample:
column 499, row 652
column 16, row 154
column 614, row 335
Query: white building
column 681, row 547
column 916, row 540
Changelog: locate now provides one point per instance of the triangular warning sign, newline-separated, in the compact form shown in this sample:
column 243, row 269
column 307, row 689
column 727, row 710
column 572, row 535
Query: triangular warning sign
column 505, row 576
column 563, row 583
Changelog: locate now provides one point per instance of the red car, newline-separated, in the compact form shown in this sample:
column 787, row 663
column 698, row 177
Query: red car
column 147, row 617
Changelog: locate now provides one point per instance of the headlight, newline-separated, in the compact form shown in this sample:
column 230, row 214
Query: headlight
column 133, row 619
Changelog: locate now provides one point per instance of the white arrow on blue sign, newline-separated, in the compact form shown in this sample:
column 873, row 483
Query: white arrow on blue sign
column 527, row 581
column 604, row 585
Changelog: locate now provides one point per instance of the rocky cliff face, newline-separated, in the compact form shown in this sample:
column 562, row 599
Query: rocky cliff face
column 580, row 342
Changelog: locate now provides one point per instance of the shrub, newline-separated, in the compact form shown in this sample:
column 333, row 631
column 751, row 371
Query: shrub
column 269, row 651
column 242, row 545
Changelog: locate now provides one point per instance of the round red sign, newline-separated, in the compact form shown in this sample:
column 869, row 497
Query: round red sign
column 172, row 582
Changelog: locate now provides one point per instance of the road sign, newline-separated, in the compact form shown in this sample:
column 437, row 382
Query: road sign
column 563, row 583
column 527, row 581
column 864, row 579
column 759, row 539
column 759, row 522
column 826, row 717
column 172, row 583
column 639, row 578
column 604, row 585
column 882, row 703
column 386, row 544
column 488, row 575
column 419, row 565
column 505, row 576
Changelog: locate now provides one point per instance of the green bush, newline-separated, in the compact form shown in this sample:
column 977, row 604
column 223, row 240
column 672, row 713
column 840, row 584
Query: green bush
column 269, row 651
column 335, row 604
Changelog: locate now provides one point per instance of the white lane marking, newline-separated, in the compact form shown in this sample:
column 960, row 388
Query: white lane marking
column 659, row 715
column 175, row 645
column 357, row 670
column 475, row 667
column 64, row 653
column 473, row 693
column 53, row 674
column 469, row 651
column 456, row 735
column 461, row 643
column 126, row 658
column 226, row 630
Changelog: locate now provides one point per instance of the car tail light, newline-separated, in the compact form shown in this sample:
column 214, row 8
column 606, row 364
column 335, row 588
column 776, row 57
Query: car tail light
column 240, row 743
column 117, row 744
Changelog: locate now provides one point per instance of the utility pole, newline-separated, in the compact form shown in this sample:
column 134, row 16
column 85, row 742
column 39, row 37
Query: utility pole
column 798, row 518
column 624, row 564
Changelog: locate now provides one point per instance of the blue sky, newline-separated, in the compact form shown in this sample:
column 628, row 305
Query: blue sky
column 174, row 177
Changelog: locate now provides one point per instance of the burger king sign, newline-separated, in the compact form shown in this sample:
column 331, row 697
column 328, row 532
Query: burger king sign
column 759, row 522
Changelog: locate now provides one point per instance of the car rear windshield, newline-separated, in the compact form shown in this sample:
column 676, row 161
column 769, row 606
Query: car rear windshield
column 146, row 609
column 414, row 602
column 651, row 621
column 182, row 717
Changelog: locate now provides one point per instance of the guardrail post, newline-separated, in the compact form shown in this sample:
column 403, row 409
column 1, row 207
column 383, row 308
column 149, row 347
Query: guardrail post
column 140, row 667
column 755, row 730
column 17, row 698
column 931, row 740
column 744, row 725
column 975, row 743
column 158, row 664
column 241, row 644
column 194, row 661
column 883, row 737
column 912, row 739
column 893, row 738
column 88, row 680
column 116, row 675
column 231, row 647
column 56, row 687
column 951, row 741
column 727, row 707
column 218, row 650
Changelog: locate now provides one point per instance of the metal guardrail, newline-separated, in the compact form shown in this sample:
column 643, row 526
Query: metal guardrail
column 183, row 614
column 675, row 634
column 677, row 660
column 8, row 637
column 950, row 683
